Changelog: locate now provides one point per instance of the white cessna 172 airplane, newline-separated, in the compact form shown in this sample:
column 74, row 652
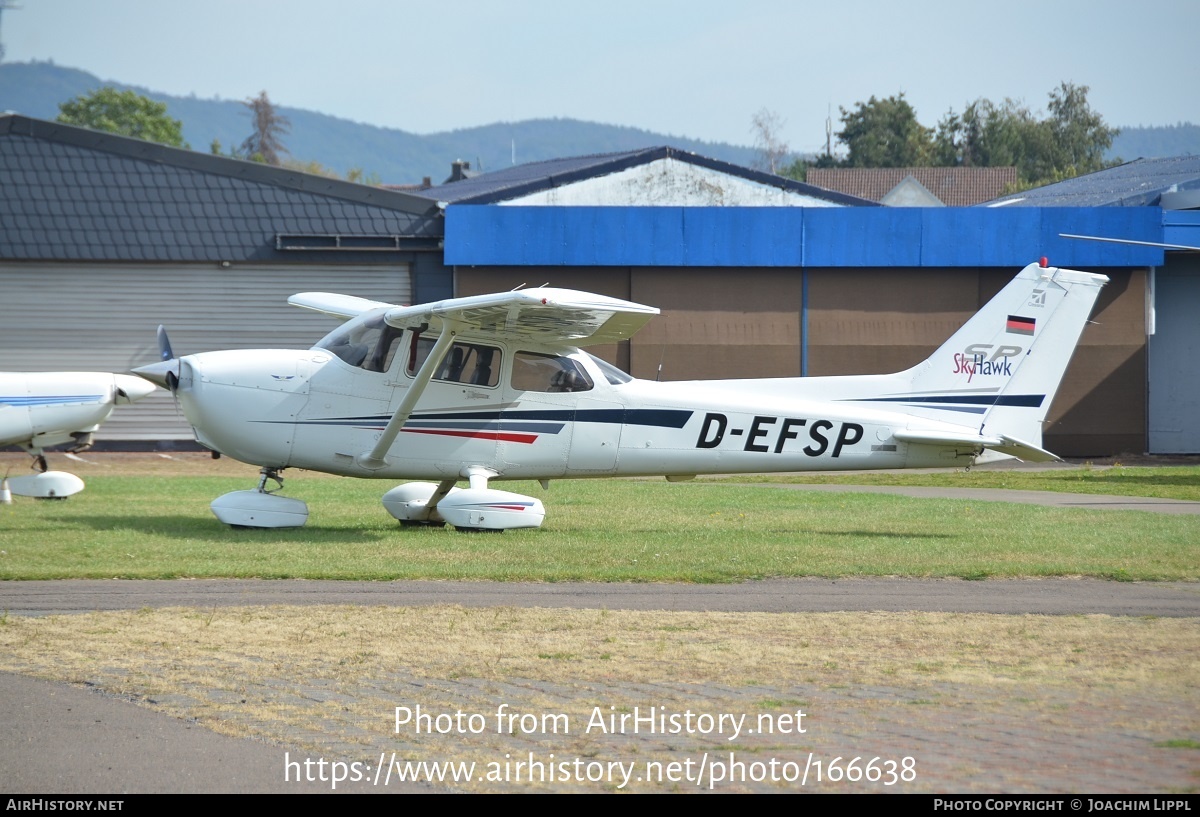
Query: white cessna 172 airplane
column 494, row 387
column 39, row 410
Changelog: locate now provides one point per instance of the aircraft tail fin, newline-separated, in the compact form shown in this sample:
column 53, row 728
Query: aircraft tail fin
column 1001, row 370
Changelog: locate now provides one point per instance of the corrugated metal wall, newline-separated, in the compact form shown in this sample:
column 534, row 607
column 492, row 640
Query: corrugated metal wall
column 1174, row 349
column 718, row 323
column 103, row 317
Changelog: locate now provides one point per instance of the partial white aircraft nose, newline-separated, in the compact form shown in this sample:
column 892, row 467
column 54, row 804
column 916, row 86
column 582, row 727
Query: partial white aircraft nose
column 130, row 389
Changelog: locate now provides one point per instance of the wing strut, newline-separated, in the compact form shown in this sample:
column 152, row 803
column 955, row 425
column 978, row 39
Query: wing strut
column 373, row 460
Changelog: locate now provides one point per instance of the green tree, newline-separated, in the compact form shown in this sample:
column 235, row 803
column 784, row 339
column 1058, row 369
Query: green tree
column 1071, row 141
column 360, row 176
column 987, row 135
column 798, row 170
column 1080, row 135
column 125, row 113
column 265, row 144
column 884, row 133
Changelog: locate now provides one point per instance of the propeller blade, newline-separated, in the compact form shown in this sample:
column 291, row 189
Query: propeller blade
column 164, row 344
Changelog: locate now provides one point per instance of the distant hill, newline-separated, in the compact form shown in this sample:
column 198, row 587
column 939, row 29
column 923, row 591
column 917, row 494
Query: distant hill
column 399, row 157
column 394, row 156
column 1182, row 139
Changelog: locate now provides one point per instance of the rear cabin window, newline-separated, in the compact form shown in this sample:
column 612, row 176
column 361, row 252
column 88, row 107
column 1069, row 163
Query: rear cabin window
column 469, row 363
column 548, row 373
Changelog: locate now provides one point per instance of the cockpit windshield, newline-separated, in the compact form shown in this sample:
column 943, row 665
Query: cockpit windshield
column 611, row 373
column 366, row 342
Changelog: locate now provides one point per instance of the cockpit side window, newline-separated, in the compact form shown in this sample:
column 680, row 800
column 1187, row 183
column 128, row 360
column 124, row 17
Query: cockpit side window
column 471, row 363
column 548, row 373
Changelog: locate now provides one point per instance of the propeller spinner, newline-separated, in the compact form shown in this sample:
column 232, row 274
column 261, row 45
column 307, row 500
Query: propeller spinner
column 165, row 373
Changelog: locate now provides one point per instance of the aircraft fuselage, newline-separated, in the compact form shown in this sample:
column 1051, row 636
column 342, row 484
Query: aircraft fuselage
column 43, row 409
column 312, row 410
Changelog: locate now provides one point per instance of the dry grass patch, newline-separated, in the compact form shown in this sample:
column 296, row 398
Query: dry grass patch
column 342, row 643
column 331, row 678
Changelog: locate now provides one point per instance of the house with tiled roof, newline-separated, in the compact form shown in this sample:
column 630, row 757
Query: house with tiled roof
column 918, row 186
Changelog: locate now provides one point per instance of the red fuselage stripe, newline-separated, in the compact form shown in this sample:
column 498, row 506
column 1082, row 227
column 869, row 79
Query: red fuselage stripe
column 507, row 437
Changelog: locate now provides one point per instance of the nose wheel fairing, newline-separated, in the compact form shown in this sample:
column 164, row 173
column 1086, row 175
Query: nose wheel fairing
column 261, row 508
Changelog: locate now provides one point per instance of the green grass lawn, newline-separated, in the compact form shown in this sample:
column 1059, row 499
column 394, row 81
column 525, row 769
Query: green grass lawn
column 134, row 526
column 1171, row 482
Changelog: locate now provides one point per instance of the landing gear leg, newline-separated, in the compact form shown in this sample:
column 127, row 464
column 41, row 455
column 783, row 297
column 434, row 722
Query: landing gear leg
column 266, row 474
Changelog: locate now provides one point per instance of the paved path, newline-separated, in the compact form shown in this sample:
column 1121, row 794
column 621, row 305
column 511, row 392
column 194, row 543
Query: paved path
column 1012, row 596
column 60, row 739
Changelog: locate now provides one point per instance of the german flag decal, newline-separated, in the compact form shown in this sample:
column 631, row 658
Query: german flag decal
column 1020, row 326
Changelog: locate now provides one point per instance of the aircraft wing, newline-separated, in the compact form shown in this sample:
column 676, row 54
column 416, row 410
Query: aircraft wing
column 1184, row 247
column 342, row 306
column 544, row 315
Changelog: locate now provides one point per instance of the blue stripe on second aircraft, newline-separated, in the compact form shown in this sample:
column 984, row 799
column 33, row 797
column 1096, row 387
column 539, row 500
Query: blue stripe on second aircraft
column 50, row 400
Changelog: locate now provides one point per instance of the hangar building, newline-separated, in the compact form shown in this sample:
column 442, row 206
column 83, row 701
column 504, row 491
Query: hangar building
column 103, row 237
column 754, row 290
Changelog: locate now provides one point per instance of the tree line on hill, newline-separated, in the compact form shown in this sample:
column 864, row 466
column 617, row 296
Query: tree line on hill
column 396, row 156
column 885, row 132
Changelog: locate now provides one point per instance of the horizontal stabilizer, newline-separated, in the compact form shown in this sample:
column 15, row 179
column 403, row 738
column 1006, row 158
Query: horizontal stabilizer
column 1003, row 444
column 1025, row 452
column 944, row 438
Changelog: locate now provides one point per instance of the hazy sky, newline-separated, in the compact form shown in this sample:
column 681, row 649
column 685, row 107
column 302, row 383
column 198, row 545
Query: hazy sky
column 695, row 68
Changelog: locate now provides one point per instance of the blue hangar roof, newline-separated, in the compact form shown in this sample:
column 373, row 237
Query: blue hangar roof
column 882, row 237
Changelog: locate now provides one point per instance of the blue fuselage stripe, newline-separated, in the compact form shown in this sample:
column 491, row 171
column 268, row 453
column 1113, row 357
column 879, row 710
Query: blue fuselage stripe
column 50, row 400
